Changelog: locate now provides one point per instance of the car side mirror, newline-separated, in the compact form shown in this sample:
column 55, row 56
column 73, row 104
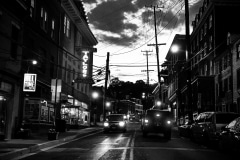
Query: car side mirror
column 223, row 128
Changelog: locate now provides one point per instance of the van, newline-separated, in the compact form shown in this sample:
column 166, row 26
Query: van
column 207, row 126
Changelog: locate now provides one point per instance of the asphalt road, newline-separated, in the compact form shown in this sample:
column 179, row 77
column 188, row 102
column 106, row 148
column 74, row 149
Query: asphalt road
column 129, row 146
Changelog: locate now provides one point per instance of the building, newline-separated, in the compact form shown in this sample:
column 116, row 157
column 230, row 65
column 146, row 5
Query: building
column 55, row 34
column 209, row 54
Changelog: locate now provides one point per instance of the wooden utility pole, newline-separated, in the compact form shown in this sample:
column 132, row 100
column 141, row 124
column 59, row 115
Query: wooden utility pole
column 147, row 65
column 157, row 50
column 188, row 61
column 105, row 89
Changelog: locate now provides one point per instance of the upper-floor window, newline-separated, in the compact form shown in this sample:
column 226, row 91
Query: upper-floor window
column 210, row 21
column 44, row 19
column 205, row 48
column 15, row 40
column 205, row 28
column 53, row 29
column 238, row 51
column 66, row 26
column 238, row 79
column 201, row 34
column 210, row 42
column 32, row 5
column 217, row 68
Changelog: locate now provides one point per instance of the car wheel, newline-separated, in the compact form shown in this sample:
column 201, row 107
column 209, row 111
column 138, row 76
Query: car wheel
column 167, row 135
column 105, row 131
column 144, row 133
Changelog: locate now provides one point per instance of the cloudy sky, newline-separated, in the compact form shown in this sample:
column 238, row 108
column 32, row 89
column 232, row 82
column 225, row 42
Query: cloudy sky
column 125, row 29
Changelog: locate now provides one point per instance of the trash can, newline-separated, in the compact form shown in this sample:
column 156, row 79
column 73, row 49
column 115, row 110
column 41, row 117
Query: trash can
column 52, row 134
column 60, row 125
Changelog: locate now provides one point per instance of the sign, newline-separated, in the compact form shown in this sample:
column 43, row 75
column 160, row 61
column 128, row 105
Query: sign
column 85, row 59
column 29, row 82
column 56, row 91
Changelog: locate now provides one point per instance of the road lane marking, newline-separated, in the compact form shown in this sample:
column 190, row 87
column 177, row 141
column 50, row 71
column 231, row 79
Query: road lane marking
column 164, row 148
column 124, row 153
column 132, row 145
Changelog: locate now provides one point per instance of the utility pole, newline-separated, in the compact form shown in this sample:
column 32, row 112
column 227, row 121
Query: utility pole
column 157, row 50
column 147, row 66
column 105, row 89
column 188, row 58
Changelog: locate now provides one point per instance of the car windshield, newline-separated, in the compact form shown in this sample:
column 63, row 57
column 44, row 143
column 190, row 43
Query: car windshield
column 225, row 118
column 115, row 118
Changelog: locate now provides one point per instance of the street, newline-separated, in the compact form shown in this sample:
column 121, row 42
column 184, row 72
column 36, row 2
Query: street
column 130, row 145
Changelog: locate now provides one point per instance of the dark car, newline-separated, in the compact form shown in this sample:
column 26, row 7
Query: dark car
column 157, row 121
column 229, row 138
column 207, row 126
column 184, row 129
column 115, row 122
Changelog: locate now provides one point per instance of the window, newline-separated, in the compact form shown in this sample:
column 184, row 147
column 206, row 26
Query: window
column 44, row 19
column 201, row 34
column 217, row 90
column 32, row 8
column 42, row 60
column 15, row 39
column 205, row 28
column 205, row 48
column 238, row 51
column 226, row 85
column 52, row 67
column 238, row 79
column 67, row 26
column 210, row 43
column 210, row 22
column 53, row 29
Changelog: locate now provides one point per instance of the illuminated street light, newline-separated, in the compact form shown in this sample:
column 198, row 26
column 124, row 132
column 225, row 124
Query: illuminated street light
column 159, row 103
column 175, row 48
column 108, row 104
column 34, row 62
column 95, row 95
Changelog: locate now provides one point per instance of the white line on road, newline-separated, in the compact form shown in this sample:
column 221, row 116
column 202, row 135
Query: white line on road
column 124, row 153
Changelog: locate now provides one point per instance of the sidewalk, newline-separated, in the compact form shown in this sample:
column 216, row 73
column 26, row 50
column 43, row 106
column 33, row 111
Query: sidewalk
column 18, row 147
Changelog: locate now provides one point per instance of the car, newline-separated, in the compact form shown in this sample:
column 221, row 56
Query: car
column 184, row 129
column 229, row 138
column 157, row 121
column 207, row 126
column 115, row 122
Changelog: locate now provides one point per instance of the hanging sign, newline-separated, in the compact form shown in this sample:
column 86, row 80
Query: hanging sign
column 85, row 62
column 29, row 82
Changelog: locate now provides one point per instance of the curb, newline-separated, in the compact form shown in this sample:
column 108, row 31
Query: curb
column 37, row 147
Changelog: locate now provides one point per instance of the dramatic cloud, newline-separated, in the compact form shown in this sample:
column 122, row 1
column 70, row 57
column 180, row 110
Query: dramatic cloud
column 112, row 16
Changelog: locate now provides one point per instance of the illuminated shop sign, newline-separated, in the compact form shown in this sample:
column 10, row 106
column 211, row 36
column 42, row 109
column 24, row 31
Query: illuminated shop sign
column 85, row 59
column 29, row 82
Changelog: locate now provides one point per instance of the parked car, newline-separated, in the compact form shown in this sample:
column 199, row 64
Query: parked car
column 157, row 121
column 229, row 138
column 115, row 122
column 184, row 129
column 207, row 125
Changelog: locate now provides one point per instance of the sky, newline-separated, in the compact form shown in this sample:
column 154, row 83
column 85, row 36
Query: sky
column 125, row 29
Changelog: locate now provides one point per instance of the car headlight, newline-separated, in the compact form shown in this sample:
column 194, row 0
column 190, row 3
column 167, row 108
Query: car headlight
column 121, row 124
column 146, row 121
column 106, row 124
